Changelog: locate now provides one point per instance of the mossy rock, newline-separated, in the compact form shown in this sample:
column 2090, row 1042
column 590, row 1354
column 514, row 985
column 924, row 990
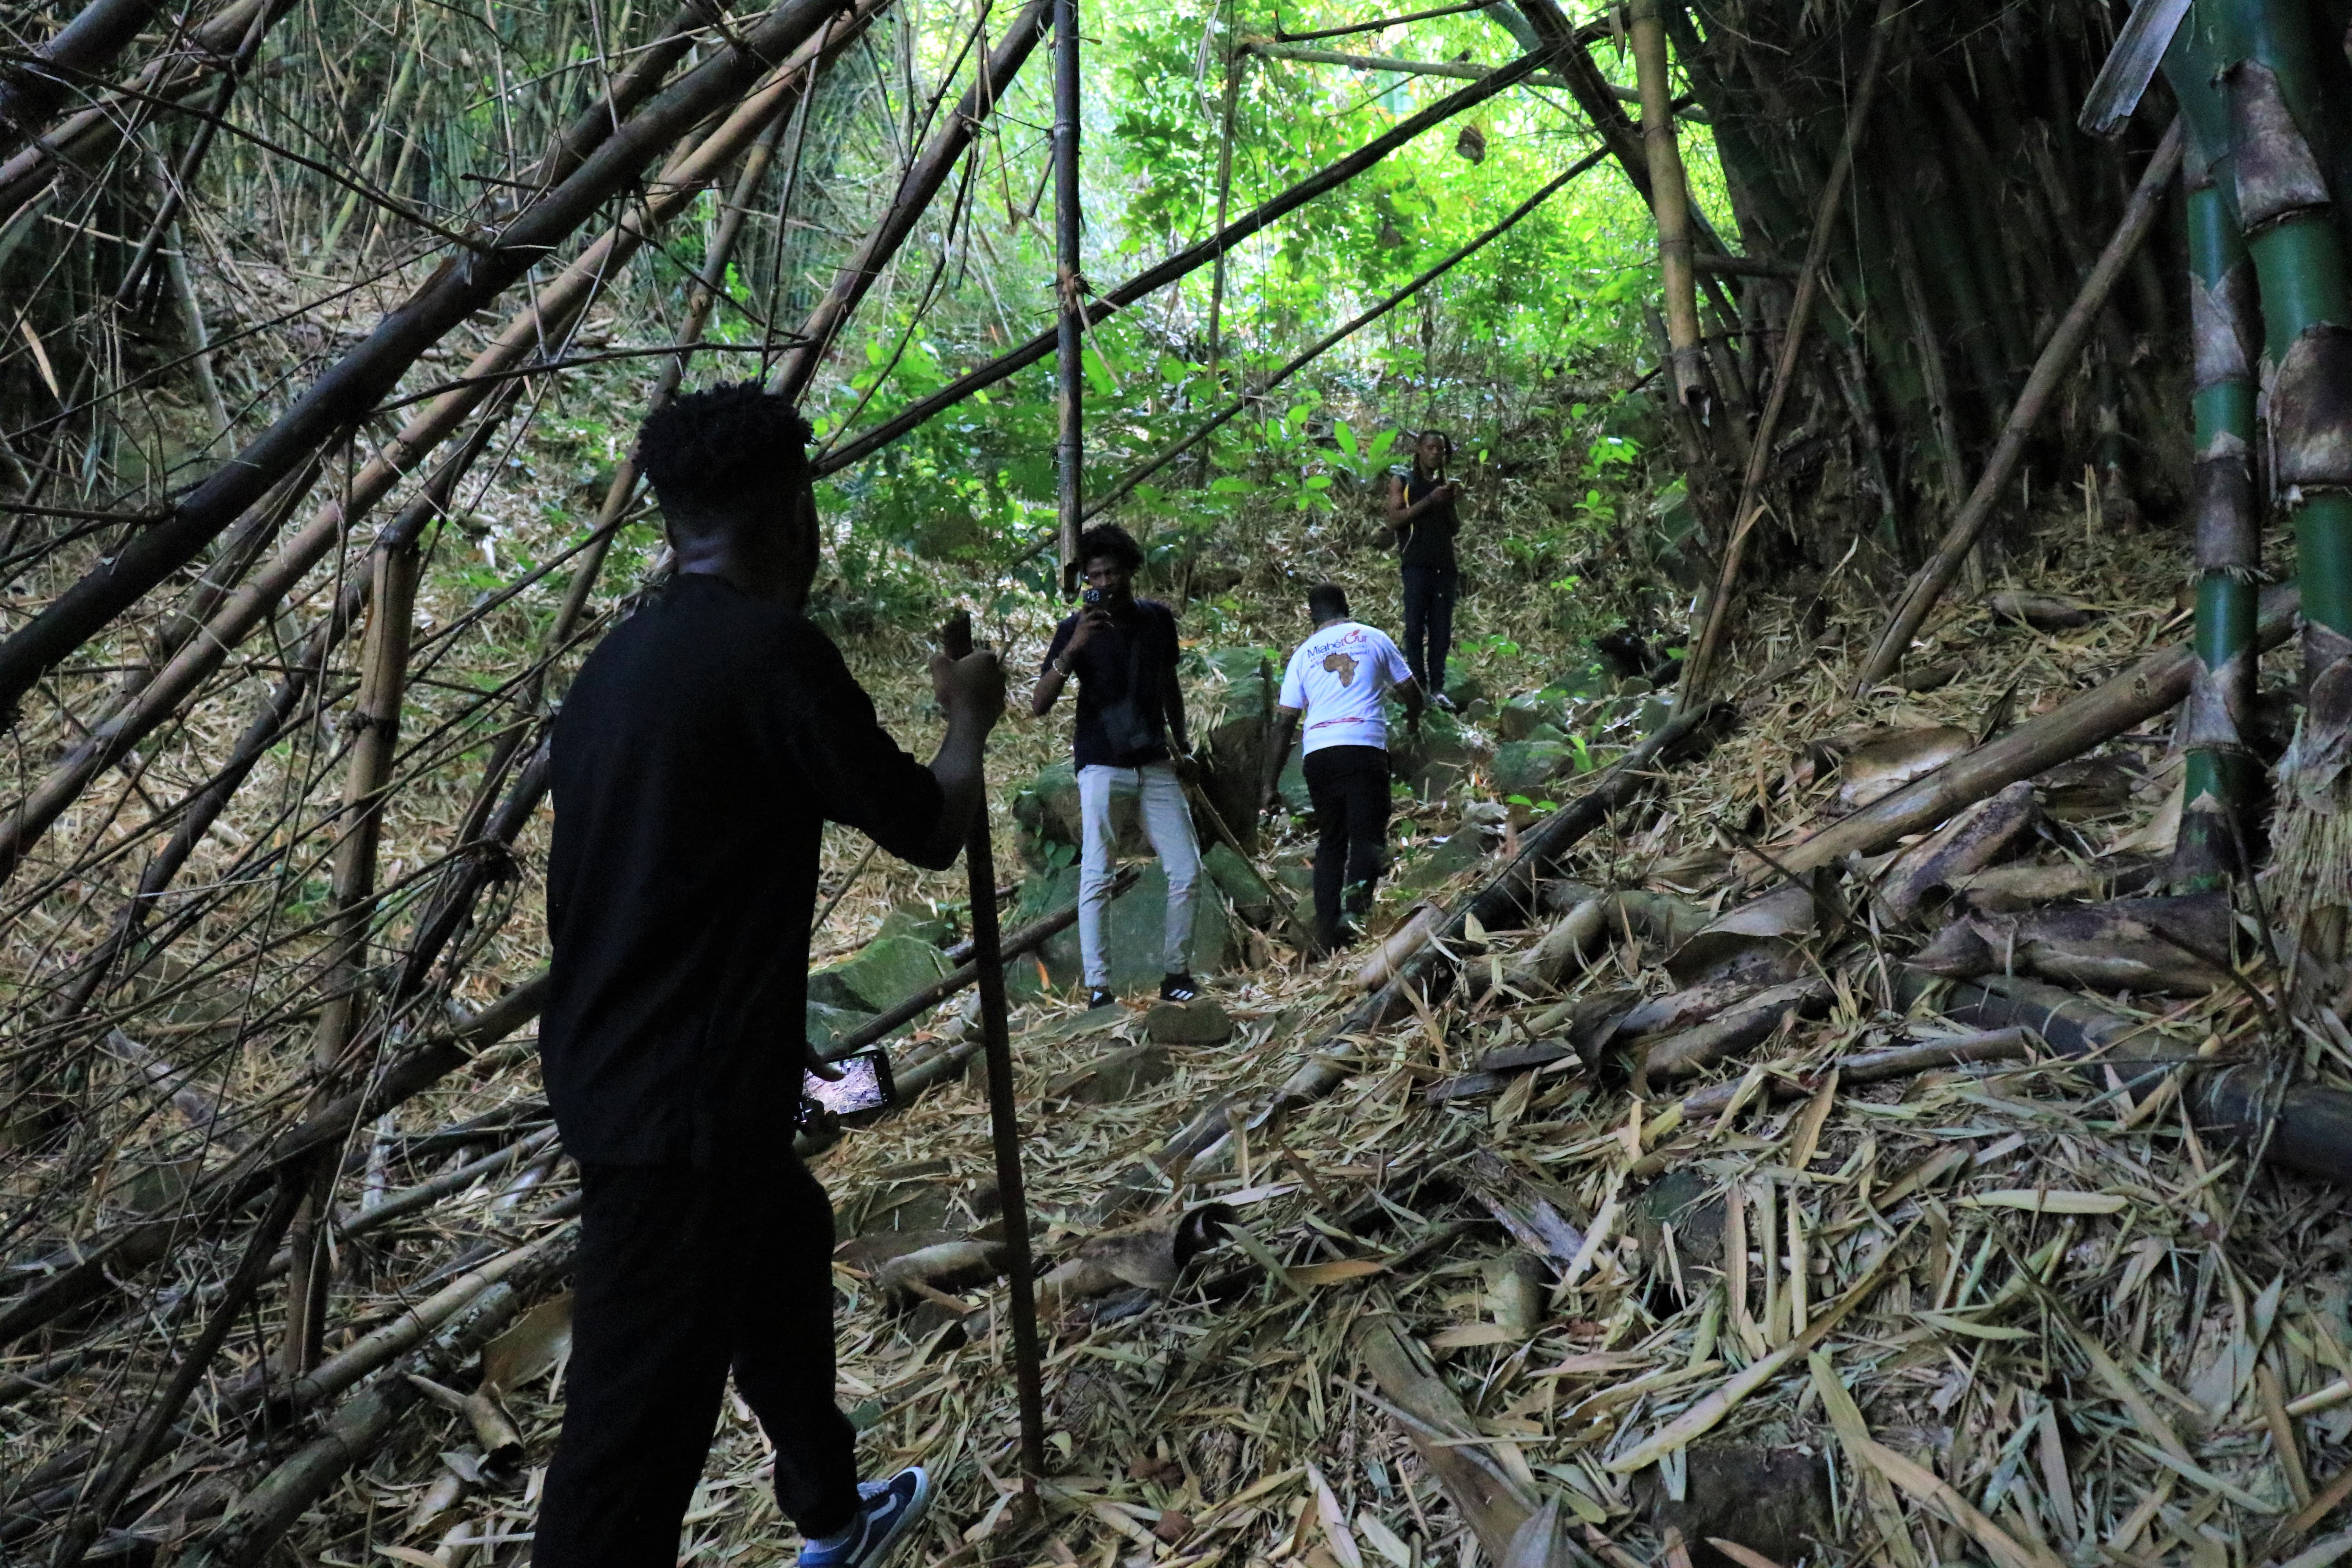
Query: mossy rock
column 1136, row 932
column 1520, row 715
column 919, row 922
column 827, row 1024
column 1435, row 760
column 1050, row 831
column 884, row 973
column 1525, row 767
column 1443, row 862
column 1239, row 880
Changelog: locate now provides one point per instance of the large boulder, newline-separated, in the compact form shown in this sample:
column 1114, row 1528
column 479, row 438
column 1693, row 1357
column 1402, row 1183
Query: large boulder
column 1136, row 928
column 1230, row 704
column 1437, row 759
column 1048, row 827
column 1525, row 767
column 1239, row 880
column 886, row 971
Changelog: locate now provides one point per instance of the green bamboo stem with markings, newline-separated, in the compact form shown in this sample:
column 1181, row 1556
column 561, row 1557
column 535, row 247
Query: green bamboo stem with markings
column 2225, row 329
column 2291, row 225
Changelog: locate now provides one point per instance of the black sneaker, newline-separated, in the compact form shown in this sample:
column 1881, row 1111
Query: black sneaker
column 888, row 1513
column 1101, row 998
column 1179, row 987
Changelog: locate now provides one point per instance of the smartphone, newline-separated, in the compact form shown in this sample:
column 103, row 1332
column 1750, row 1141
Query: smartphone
column 863, row 1092
column 1091, row 598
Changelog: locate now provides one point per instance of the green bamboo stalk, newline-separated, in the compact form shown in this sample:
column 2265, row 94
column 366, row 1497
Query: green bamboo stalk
column 2289, row 224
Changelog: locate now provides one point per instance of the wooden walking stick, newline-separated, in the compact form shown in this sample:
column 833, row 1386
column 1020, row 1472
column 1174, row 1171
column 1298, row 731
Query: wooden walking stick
column 1003, row 1115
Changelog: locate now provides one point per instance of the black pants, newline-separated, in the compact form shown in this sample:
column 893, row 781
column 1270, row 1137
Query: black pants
column 1429, row 623
column 682, row 1275
column 1350, row 788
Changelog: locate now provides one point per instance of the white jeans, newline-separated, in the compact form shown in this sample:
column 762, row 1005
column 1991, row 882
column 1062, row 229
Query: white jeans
column 1168, row 823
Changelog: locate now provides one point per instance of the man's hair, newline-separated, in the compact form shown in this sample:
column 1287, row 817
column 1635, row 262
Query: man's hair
column 1326, row 602
column 1108, row 539
column 708, row 453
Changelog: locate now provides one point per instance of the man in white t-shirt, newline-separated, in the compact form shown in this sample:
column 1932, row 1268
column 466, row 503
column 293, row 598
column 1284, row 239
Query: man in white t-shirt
column 1339, row 679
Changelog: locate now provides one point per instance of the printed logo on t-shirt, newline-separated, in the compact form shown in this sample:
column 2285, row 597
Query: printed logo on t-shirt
column 1340, row 665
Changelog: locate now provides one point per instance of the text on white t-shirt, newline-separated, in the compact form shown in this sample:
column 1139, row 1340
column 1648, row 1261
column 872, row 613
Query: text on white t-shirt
column 1338, row 680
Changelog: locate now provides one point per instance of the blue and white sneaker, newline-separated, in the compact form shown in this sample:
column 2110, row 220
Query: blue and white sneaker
column 888, row 1513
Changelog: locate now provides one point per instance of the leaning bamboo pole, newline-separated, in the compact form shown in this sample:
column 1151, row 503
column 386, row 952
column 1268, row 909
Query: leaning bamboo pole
column 1069, row 296
column 1669, row 199
column 350, row 390
column 2056, row 362
column 1158, row 275
column 556, row 306
column 2300, row 260
column 923, row 181
column 34, row 88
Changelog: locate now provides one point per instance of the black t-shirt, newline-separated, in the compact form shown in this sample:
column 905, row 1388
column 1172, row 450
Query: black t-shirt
column 1103, row 669
column 696, row 758
column 1429, row 538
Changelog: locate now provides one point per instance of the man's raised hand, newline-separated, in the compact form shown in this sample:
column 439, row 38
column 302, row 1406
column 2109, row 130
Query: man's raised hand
column 971, row 689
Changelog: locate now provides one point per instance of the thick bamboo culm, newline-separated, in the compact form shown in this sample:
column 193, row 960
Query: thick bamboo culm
column 1699, row 665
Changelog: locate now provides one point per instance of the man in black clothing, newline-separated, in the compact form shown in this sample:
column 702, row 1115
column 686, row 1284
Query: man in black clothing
column 704, row 744
column 1123, row 650
column 1424, row 519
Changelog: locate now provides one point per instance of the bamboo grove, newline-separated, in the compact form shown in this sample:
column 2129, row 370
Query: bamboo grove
column 263, row 852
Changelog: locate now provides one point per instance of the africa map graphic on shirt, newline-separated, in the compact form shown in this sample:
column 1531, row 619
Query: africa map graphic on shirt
column 1342, row 666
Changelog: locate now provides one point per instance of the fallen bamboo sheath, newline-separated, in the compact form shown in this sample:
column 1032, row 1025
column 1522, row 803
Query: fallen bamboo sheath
column 2011, row 1044
column 2304, row 1127
column 2148, row 688
column 1486, row 1499
column 2041, row 389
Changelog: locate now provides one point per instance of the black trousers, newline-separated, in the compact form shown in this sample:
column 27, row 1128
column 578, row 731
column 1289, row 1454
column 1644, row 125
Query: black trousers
column 1429, row 623
column 1350, row 788
column 681, row 1275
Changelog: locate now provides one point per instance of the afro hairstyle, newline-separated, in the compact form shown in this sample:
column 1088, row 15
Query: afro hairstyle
column 1326, row 600
column 707, row 452
column 1108, row 541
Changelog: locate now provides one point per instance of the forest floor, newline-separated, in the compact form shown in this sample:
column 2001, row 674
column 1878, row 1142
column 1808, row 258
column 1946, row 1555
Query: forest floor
column 2013, row 1311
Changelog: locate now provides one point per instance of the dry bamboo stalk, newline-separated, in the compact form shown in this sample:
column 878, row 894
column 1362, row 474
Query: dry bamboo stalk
column 556, row 306
column 2056, row 361
column 106, row 1265
column 32, row 88
column 1746, row 515
column 462, row 285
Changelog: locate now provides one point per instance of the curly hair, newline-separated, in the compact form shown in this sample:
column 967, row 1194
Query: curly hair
column 1108, row 539
column 706, row 452
column 1326, row 600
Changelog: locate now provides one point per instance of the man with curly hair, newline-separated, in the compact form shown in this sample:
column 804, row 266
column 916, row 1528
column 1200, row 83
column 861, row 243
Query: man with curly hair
column 1123, row 650
column 705, row 742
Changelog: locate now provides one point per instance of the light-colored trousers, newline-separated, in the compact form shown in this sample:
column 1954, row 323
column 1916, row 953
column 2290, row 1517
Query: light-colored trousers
column 1168, row 823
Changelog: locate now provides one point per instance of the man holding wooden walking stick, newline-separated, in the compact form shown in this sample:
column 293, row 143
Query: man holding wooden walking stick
column 704, row 744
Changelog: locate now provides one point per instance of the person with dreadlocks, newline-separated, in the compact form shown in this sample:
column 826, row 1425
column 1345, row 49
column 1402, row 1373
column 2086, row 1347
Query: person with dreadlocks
column 698, row 755
column 1423, row 519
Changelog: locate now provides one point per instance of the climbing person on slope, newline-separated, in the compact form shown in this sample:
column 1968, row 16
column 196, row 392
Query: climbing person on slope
column 1424, row 518
column 1339, row 679
column 707, row 741
column 1123, row 650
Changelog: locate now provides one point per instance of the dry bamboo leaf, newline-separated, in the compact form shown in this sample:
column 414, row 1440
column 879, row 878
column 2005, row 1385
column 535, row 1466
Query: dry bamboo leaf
column 1342, row 1538
column 1745, row 1556
column 2038, row 1201
column 1931, row 1489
